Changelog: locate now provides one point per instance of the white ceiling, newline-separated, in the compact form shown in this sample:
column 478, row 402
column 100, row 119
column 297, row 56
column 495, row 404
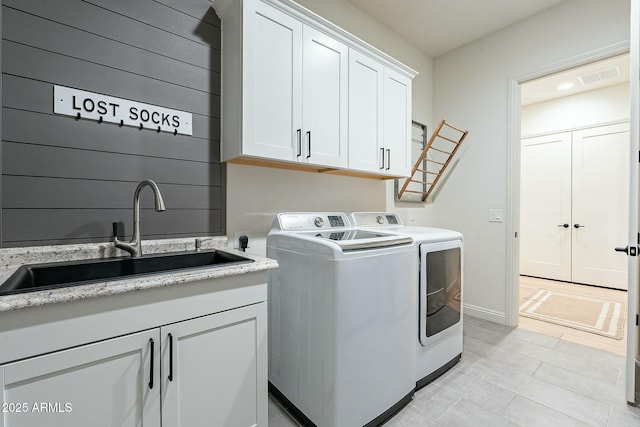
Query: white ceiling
column 608, row 72
column 439, row 26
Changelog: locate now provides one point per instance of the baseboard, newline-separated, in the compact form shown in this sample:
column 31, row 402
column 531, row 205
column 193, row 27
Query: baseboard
column 485, row 313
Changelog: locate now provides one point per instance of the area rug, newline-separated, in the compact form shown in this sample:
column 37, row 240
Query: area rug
column 587, row 314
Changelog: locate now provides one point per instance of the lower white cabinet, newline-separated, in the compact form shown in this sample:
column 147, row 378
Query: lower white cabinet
column 210, row 370
column 213, row 369
column 108, row 381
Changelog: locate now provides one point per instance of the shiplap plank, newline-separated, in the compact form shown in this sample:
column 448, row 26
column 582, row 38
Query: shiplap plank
column 102, row 22
column 148, row 12
column 30, row 62
column 62, row 224
column 199, row 9
column 57, row 38
column 67, row 241
column 37, row 96
column 27, row 192
column 57, row 162
column 91, row 135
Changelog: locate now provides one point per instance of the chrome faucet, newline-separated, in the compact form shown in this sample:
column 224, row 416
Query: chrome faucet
column 134, row 246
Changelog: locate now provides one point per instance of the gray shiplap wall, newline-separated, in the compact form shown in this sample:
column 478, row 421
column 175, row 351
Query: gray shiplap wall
column 67, row 180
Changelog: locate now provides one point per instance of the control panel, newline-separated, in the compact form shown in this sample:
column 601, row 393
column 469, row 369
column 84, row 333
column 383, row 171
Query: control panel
column 308, row 221
column 375, row 219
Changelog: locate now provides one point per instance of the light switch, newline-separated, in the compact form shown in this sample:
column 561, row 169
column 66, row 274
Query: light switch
column 495, row 215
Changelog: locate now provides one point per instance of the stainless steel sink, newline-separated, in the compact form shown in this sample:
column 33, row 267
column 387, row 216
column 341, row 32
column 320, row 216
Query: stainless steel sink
column 37, row 277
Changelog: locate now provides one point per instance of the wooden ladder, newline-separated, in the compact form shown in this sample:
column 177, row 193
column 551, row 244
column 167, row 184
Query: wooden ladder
column 434, row 159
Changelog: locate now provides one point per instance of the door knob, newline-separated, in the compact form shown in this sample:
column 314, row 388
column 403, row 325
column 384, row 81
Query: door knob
column 629, row 250
column 563, row 225
column 578, row 226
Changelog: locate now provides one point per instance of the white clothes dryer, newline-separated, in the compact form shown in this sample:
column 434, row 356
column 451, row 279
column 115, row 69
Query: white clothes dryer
column 438, row 259
column 341, row 320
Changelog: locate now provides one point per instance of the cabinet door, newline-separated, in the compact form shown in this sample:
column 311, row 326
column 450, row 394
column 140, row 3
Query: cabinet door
column 272, row 76
column 218, row 369
column 106, row 383
column 397, row 123
column 365, row 113
column 325, row 97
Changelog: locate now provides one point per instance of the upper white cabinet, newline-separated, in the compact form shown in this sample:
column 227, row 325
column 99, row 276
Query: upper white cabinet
column 397, row 123
column 271, row 88
column 299, row 92
column 366, row 77
column 324, row 100
column 379, row 117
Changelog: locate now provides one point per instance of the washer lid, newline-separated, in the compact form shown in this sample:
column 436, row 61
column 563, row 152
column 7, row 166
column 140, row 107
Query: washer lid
column 357, row 239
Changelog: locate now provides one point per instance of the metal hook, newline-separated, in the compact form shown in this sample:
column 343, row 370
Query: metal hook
column 121, row 123
column 158, row 130
column 100, row 119
column 141, row 126
column 175, row 132
column 78, row 116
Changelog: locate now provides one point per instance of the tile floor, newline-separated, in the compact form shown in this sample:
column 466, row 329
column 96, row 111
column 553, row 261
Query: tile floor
column 516, row 377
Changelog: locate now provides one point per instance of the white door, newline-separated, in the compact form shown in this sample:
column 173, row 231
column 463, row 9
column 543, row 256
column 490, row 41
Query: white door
column 113, row 382
column 272, row 88
column 600, row 199
column 365, row 112
column 633, row 335
column 325, row 99
column 215, row 370
column 545, row 240
column 397, row 124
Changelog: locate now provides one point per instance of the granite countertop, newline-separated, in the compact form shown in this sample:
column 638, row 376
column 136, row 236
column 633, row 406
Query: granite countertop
column 12, row 258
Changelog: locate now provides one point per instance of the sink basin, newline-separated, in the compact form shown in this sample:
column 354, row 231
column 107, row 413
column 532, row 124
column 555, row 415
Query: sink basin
column 37, row 277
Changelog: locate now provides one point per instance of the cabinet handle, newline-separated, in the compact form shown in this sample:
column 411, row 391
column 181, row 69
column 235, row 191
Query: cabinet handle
column 565, row 225
column 152, row 344
column 578, row 226
column 382, row 156
column 308, row 144
column 170, row 377
column 299, row 132
column 388, row 159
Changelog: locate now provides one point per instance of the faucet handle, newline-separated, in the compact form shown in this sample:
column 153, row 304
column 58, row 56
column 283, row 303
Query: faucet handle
column 116, row 227
column 199, row 241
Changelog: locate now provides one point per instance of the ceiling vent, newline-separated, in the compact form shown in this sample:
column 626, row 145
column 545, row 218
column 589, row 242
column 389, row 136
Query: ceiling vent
column 600, row 75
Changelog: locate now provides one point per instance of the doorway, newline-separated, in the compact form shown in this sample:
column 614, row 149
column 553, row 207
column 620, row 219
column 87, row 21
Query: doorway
column 574, row 204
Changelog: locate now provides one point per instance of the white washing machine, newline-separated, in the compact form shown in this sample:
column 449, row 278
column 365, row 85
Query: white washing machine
column 438, row 258
column 341, row 320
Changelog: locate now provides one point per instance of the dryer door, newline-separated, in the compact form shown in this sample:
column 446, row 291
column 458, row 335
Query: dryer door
column 440, row 289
